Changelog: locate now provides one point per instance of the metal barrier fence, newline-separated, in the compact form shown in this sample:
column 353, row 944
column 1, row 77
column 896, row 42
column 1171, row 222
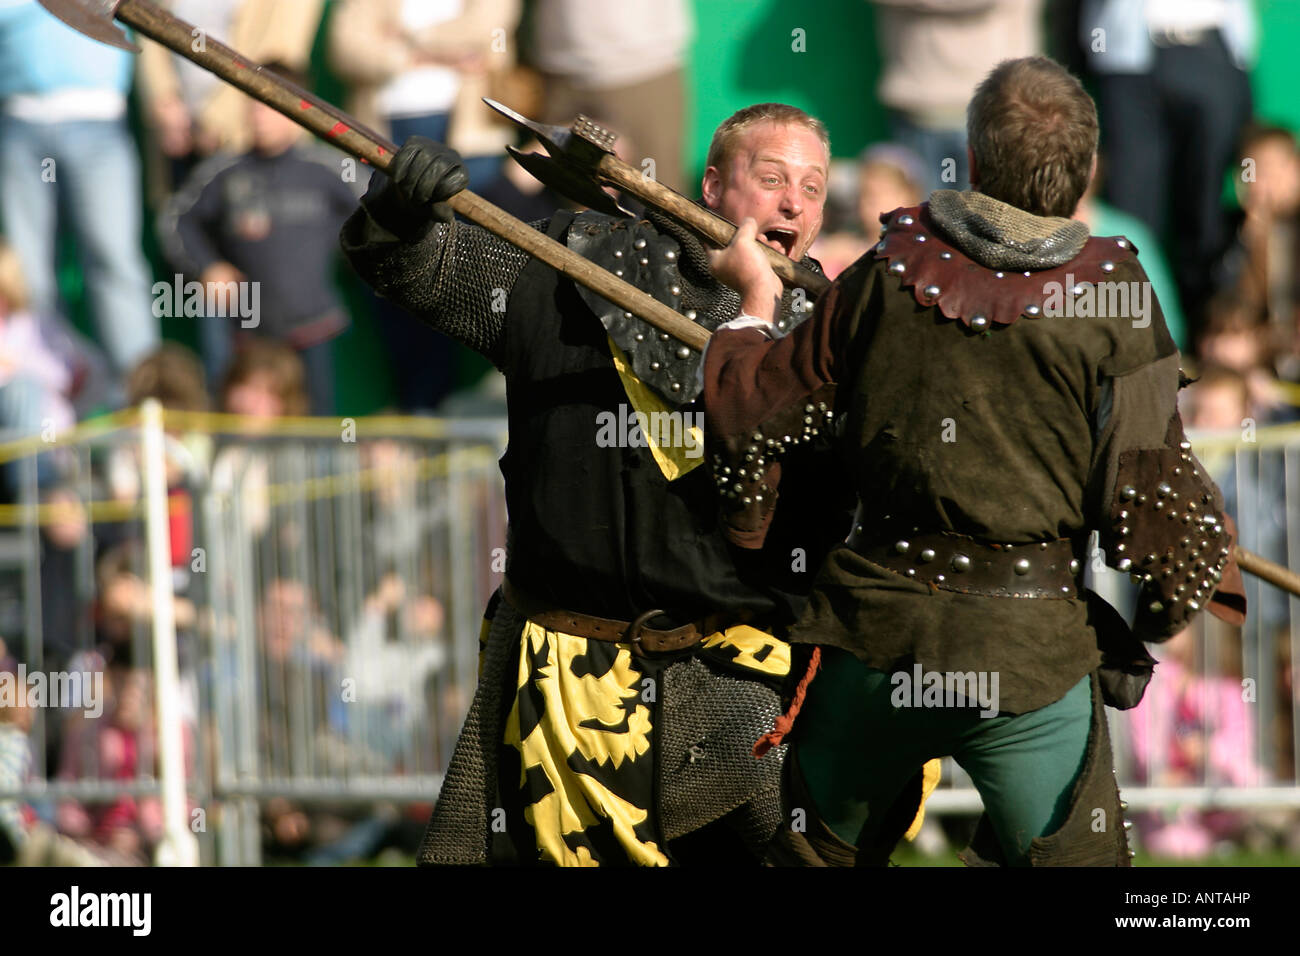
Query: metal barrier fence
column 320, row 584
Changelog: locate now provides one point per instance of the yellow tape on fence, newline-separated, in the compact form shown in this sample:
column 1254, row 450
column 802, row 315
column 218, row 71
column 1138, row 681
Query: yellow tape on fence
column 423, row 468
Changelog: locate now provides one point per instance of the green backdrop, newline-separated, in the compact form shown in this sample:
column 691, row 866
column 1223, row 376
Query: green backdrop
column 817, row 54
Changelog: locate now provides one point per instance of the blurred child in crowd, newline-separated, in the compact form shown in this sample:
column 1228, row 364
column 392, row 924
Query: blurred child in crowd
column 260, row 231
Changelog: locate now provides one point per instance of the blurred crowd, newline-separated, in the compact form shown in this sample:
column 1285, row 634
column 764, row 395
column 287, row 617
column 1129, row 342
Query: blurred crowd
column 235, row 227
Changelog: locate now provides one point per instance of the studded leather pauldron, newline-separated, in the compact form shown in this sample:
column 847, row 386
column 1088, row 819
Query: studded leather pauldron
column 638, row 254
column 747, row 467
column 1168, row 532
column 940, row 274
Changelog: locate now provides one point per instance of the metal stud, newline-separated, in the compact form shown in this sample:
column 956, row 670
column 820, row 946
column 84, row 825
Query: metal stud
column 1127, row 492
column 999, row 275
column 1122, row 243
column 639, row 244
column 618, row 253
column 1022, row 566
column 905, row 220
column 945, row 255
column 644, row 260
column 683, row 352
column 1124, row 565
column 920, row 237
column 1155, row 607
column 897, row 268
column 960, row 562
column 927, row 554
column 640, row 336
column 1033, row 311
column 1074, row 566
column 670, row 255
column 979, row 322
column 901, row 546
column 655, row 366
column 676, row 290
column 1108, row 266
column 931, row 291
column 690, row 314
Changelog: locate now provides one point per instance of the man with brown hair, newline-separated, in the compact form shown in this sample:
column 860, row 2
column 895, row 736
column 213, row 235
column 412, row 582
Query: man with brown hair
column 1004, row 391
column 630, row 664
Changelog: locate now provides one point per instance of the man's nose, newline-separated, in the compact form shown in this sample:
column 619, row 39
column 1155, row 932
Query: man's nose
column 792, row 201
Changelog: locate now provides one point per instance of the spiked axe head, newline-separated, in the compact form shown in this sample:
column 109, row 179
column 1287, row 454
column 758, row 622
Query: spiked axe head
column 94, row 18
column 574, row 155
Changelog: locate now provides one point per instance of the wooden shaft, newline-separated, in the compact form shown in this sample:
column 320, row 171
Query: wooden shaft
column 711, row 226
column 1262, row 568
column 340, row 129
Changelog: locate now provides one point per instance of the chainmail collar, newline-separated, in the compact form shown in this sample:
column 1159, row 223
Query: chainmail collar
column 1000, row 236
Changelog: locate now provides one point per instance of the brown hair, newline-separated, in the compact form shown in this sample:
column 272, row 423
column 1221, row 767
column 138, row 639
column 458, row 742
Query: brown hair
column 735, row 125
column 279, row 363
column 172, row 374
column 1033, row 131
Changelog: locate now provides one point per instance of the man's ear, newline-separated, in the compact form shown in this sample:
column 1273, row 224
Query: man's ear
column 711, row 187
column 974, row 170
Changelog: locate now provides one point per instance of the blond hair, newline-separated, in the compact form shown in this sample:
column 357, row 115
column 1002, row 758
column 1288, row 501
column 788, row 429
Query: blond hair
column 13, row 287
column 735, row 126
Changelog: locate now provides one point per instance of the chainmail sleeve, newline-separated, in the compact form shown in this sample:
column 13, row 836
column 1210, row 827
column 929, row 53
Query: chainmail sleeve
column 454, row 276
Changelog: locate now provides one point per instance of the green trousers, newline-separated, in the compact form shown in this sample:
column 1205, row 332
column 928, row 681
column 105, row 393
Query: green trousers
column 858, row 749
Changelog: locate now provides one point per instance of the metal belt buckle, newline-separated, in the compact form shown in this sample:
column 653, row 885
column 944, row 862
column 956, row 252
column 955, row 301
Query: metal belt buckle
column 633, row 633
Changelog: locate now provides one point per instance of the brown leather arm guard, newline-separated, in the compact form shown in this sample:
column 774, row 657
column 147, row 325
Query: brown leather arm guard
column 1168, row 529
column 747, row 467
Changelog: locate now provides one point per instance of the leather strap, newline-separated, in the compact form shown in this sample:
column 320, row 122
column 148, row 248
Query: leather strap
column 642, row 638
column 953, row 562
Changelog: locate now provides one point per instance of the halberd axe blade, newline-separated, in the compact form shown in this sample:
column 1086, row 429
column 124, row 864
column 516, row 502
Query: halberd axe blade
column 584, row 153
column 95, row 19
column 566, row 181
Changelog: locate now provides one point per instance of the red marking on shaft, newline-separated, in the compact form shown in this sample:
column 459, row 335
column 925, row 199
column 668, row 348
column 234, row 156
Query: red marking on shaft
column 339, row 128
column 304, row 105
column 382, row 151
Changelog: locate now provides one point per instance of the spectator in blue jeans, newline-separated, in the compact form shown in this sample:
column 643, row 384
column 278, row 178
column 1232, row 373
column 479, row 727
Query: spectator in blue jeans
column 67, row 158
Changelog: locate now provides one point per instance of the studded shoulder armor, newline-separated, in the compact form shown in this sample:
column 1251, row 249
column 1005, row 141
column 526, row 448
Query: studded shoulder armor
column 1168, row 530
column 939, row 273
column 665, row 260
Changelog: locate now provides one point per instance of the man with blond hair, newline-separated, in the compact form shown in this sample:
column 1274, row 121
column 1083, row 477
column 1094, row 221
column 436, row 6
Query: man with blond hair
column 999, row 406
column 630, row 663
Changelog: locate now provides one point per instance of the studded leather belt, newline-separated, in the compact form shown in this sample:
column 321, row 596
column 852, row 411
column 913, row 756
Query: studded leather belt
column 953, row 562
column 642, row 638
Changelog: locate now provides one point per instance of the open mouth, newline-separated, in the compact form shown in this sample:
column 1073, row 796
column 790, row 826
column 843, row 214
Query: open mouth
column 781, row 239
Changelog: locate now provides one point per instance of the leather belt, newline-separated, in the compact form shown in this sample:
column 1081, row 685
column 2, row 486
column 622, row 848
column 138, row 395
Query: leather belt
column 954, row 562
column 642, row 638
